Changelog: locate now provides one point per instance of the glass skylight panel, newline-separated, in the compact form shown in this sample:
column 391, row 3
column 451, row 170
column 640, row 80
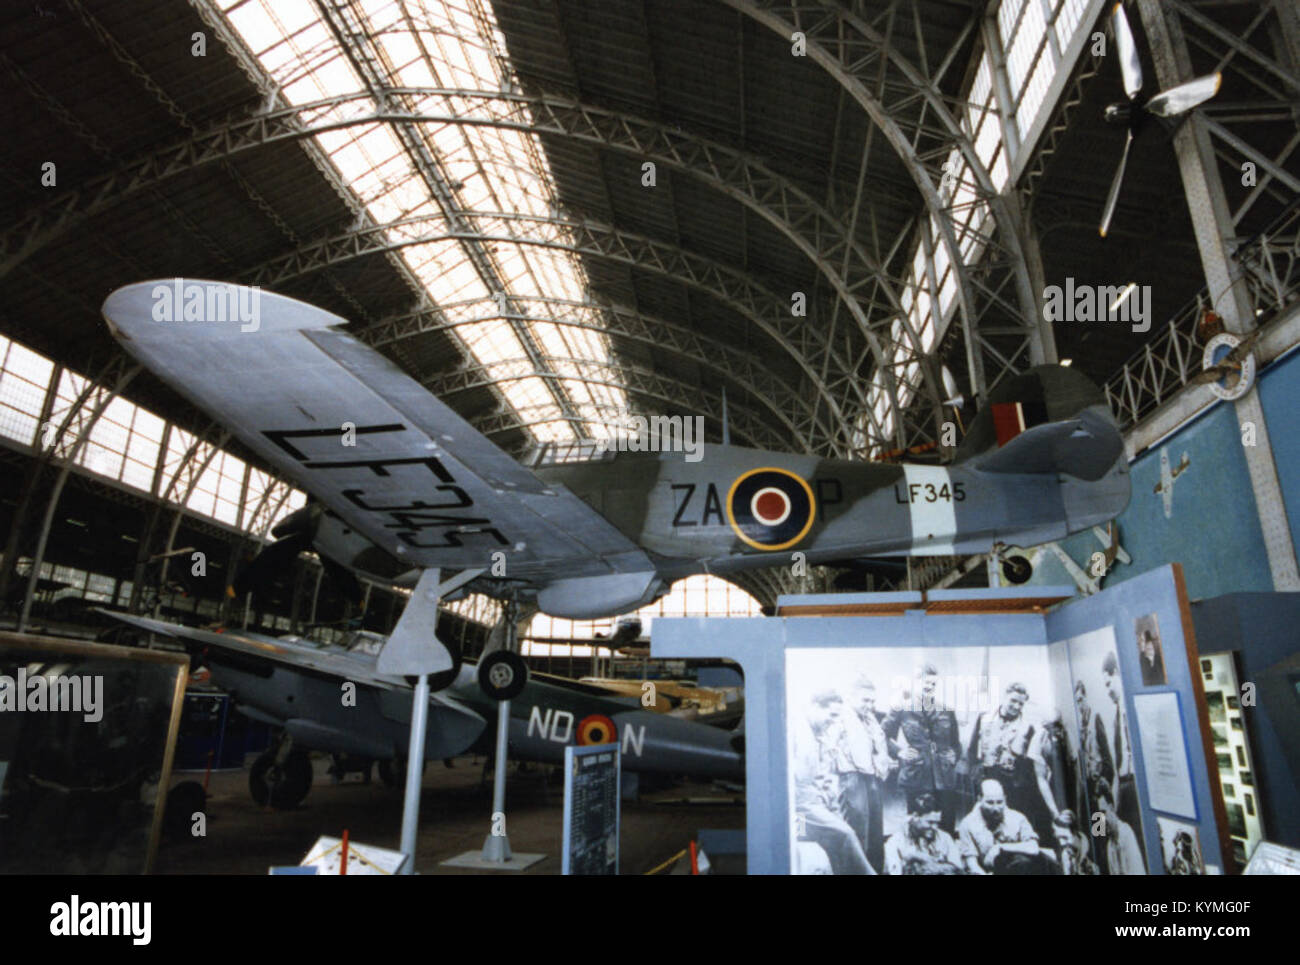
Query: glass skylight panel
column 487, row 169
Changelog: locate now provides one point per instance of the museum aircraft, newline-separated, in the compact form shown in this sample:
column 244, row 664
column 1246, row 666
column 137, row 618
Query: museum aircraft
column 302, row 689
column 408, row 490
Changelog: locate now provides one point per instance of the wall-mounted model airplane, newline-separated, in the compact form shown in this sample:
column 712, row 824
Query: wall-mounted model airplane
column 298, row 687
column 408, row 485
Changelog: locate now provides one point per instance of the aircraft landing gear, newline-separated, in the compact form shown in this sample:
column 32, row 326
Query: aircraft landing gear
column 282, row 780
column 502, row 674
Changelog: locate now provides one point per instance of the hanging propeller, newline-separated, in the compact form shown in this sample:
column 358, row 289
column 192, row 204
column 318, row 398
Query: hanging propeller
column 1167, row 103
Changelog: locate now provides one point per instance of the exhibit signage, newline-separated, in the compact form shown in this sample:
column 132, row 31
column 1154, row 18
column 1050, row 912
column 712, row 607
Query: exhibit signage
column 1160, row 728
column 971, row 732
column 591, row 810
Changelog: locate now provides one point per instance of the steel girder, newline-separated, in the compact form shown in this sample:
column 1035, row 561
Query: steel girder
column 72, row 435
column 725, row 362
column 770, row 312
column 846, row 265
column 1213, row 222
column 351, row 33
column 917, row 121
column 635, row 380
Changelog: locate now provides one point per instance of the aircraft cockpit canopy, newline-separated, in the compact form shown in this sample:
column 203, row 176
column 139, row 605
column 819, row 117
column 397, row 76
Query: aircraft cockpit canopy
column 364, row 641
column 566, row 453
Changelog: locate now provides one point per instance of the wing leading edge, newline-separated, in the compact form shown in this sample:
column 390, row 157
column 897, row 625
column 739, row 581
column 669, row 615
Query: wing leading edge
column 360, row 435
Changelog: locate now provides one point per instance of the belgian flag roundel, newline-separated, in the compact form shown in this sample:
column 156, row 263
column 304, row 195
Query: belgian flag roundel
column 596, row 729
column 770, row 509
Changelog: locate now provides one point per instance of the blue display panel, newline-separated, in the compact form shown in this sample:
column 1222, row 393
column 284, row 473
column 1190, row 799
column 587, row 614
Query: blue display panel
column 946, row 742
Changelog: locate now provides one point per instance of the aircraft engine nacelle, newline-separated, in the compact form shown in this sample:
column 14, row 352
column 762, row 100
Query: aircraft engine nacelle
column 593, row 597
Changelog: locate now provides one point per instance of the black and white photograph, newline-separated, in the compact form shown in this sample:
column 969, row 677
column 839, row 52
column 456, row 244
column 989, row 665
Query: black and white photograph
column 1214, row 701
column 1180, row 847
column 925, row 762
column 1236, row 820
column 1151, row 656
column 1107, row 740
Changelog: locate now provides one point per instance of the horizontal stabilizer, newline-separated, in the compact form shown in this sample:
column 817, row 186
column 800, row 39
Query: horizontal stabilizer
column 1084, row 447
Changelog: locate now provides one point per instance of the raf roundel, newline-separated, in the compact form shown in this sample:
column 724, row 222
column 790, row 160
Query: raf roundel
column 770, row 509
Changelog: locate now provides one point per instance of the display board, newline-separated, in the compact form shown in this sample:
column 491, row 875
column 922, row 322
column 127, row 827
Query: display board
column 591, row 810
column 1236, row 768
column 934, row 741
column 87, row 734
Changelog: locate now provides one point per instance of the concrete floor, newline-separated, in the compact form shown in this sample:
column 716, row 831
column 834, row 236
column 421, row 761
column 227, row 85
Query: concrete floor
column 243, row 838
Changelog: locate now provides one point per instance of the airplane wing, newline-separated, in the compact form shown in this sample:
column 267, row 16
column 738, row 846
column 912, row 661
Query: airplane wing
column 360, row 435
column 334, row 662
column 454, row 726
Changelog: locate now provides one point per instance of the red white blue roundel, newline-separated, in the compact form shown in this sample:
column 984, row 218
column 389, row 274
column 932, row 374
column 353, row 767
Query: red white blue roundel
column 770, row 509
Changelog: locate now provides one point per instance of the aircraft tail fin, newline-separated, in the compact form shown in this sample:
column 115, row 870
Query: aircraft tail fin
column 1050, row 419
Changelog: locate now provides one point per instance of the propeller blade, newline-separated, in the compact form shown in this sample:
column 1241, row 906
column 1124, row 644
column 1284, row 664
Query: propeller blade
column 1214, row 373
column 273, row 561
column 1130, row 65
column 1113, row 198
column 1180, row 99
column 1242, row 349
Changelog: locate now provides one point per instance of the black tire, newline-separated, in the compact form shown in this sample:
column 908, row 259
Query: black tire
column 178, row 814
column 283, row 786
column 1017, row 569
column 502, row 675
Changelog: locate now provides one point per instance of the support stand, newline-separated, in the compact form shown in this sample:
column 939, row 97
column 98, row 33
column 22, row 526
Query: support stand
column 496, row 854
column 413, row 649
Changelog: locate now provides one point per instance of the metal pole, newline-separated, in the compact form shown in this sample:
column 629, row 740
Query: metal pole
column 414, row 771
column 496, row 847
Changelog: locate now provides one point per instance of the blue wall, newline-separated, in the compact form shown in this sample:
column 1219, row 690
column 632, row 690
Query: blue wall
column 1279, row 393
column 1214, row 530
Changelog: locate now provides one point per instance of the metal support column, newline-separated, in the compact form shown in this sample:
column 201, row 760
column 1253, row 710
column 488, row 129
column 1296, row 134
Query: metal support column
column 496, row 846
column 123, row 378
column 1212, row 221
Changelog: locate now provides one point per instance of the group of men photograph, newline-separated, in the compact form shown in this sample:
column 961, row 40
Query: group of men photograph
column 997, row 794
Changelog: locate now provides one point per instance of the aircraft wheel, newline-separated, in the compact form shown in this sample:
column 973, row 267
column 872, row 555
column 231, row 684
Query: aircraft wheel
column 1017, row 569
column 282, row 785
column 502, row 675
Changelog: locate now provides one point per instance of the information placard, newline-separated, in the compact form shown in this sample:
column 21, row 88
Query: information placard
column 591, row 810
column 1164, row 753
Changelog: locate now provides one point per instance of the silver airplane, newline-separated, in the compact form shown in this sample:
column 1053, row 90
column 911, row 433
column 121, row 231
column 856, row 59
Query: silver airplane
column 406, row 489
column 333, row 698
